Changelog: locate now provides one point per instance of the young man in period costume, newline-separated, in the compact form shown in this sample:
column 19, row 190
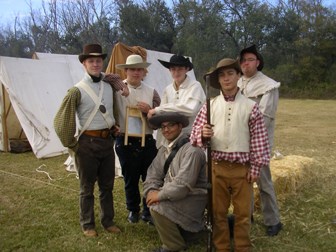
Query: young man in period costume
column 239, row 148
column 134, row 158
column 264, row 91
column 92, row 101
column 176, row 192
column 183, row 95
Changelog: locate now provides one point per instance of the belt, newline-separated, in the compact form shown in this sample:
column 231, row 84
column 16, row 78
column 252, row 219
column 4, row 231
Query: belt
column 228, row 163
column 104, row 133
column 132, row 139
column 146, row 136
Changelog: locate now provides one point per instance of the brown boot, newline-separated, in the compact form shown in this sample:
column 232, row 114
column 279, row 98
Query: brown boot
column 113, row 229
column 90, row 233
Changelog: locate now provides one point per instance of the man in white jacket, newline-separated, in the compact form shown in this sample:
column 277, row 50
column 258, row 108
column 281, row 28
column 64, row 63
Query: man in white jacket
column 184, row 95
column 263, row 90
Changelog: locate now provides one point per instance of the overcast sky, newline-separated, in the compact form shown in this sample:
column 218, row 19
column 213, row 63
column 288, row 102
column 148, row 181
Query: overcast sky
column 9, row 9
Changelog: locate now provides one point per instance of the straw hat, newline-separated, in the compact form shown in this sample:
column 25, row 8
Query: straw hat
column 134, row 61
column 91, row 50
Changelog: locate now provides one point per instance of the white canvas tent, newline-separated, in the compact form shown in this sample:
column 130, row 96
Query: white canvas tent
column 36, row 88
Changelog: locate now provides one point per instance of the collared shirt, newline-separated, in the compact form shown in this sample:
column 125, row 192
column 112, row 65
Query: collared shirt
column 259, row 148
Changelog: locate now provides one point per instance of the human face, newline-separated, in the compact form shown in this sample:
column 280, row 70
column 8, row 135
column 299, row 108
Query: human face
column 249, row 64
column 178, row 73
column 93, row 66
column 228, row 78
column 171, row 130
column 135, row 75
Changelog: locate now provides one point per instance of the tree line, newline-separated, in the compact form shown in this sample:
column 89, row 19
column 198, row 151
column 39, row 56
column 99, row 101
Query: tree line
column 297, row 38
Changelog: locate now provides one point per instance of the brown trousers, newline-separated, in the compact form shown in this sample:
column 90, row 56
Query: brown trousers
column 229, row 185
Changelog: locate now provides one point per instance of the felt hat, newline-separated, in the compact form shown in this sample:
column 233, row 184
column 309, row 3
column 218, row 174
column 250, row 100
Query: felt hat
column 133, row 61
column 177, row 60
column 157, row 119
column 91, row 50
column 253, row 49
column 224, row 63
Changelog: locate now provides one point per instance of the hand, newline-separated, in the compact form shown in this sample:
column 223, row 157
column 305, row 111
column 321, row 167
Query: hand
column 115, row 130
column 207, row 131
column 251, row 178
column 125, row 91
column 143, row 107
column 152, row 198
column 150, row 113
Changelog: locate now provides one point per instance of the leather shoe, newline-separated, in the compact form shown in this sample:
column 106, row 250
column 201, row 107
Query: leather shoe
column 147, row 218
column 113, row 229
column 274, row 230
column 90, row 233
column 133, row 217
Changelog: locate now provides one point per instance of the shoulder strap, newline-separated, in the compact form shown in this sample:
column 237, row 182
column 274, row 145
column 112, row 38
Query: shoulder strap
column 97, row 100
column 171, row 156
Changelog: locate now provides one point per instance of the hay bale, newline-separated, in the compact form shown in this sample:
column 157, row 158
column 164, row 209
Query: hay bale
column 288, row 174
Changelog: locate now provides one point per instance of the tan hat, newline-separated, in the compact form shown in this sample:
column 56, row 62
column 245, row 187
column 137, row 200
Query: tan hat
column 134, row 61
column 224, row 63
column 91, row 50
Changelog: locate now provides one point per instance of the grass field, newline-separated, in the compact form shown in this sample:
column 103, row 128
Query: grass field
column 39, row 214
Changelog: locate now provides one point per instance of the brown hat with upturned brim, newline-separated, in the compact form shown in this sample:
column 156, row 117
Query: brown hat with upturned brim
column 224, row 63
column 157, row 119
column 253, row 49
column 91, row 50
column 177, row 60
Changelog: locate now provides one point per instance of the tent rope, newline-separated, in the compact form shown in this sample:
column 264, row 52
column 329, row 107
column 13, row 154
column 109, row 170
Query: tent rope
column 39, row 181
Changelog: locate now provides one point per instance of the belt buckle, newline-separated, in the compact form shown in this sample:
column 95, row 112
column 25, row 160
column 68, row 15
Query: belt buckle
column 105, row 133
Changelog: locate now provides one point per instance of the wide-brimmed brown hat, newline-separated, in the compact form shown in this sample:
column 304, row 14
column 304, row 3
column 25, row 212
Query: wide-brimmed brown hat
column 134, row 61
column 177, row 60
column 224, row 63
column 157, row 119
column 253, row 49
column 91, row 50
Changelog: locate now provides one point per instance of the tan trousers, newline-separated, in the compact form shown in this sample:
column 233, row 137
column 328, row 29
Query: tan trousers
column 229, row 184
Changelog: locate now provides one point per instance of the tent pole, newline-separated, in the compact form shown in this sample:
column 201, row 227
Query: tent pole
column 4, row 121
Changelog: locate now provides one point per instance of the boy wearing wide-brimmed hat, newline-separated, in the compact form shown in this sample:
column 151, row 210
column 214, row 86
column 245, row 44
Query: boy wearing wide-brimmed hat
column 176, row 192
column 265, row 91
column 184, row 95
column 135, row 158
column 239, row 148
column 91, row 100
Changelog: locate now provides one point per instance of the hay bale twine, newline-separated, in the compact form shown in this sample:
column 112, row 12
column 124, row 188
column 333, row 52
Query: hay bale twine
column 288, row 174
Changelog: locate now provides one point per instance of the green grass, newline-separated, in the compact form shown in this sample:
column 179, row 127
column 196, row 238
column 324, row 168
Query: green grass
column 38, row 214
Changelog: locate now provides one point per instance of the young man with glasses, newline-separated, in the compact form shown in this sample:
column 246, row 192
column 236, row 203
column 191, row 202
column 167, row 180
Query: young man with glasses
column 91, row 100
column 263, row 90
column 176, row 192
